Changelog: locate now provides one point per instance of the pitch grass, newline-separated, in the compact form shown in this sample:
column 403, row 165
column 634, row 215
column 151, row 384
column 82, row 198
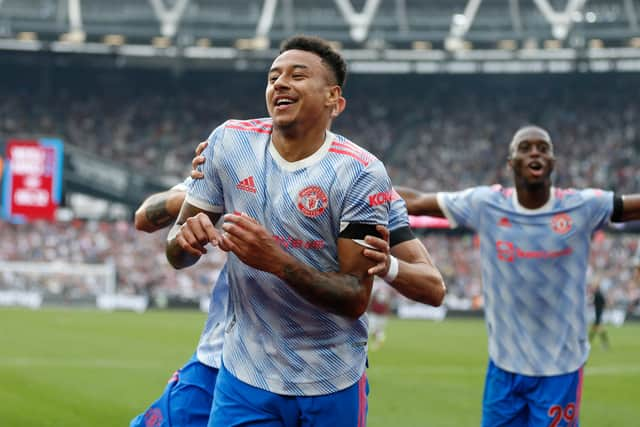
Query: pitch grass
column 73, row 368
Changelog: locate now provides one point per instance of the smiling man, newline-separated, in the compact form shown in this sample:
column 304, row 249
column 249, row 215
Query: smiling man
column 298, row 199
column 534, row 250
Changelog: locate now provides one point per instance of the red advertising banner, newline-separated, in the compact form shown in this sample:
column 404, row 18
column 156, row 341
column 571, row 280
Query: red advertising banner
column 32, row 185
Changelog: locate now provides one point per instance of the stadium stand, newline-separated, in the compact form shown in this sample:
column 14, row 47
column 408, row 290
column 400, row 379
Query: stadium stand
column 450, row 134
column 439, row 115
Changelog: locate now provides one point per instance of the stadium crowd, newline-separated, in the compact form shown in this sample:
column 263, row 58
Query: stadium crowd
column 141, row 267
column 451, row 134
column 143, row 270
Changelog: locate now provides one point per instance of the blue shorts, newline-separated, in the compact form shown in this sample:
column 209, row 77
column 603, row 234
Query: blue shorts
column 524, row 401
column 186, row 401
column 239, row 404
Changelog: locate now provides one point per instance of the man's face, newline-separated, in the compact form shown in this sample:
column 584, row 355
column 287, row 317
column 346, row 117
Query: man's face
column 533, row 160
column 300, row 88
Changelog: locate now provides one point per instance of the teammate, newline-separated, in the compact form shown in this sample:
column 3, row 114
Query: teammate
column 186, row 400
column 599, row 303
column 295, row 337
column 534, row 245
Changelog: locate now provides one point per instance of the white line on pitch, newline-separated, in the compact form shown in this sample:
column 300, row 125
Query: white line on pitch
column 80, row 363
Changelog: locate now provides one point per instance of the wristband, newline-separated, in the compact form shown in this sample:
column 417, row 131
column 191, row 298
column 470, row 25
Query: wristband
column 393, row 270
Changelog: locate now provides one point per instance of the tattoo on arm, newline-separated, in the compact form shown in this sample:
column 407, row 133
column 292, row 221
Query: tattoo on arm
column 338, row 293
column 156, row 212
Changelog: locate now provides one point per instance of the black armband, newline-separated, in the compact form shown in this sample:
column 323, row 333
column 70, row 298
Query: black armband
column 400, row 235
column 618, row 207
column 358, row 231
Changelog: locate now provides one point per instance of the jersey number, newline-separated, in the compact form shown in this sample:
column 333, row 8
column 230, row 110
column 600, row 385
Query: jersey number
column 558, row 414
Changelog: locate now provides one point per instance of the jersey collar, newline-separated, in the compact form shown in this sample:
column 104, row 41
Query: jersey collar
column 307, row 161
column 542, row 209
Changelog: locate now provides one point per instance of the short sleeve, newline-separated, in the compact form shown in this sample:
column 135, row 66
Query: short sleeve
column 462, row 208
column 182, row 186
column 368, row 200
column 207, row 193
column 398, row 216
column 600, row 204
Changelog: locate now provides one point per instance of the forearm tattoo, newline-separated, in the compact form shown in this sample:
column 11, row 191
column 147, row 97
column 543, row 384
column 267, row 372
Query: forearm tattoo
column 335, row 292
column 156, row 212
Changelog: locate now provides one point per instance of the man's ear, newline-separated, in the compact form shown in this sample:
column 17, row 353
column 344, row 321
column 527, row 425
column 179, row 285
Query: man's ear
column 333, row 96
column 339, row 107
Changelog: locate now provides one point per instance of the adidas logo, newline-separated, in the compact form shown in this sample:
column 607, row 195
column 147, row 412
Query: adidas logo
column 247, row 184
column 504, row 222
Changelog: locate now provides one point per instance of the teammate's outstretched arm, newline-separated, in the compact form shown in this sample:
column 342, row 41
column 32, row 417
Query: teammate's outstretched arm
column 630, row 207
column 415, row 276
column 345, row 292
column 419, row 203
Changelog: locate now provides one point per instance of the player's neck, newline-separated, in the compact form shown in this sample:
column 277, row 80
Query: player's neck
column 293, row 145
column 533, row 196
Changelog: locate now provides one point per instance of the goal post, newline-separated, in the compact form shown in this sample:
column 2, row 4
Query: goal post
column 31, row 284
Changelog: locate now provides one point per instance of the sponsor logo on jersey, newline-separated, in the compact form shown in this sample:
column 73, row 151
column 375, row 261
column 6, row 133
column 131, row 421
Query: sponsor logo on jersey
column 312, row 201
column 508, row 252
column 381, row 198
column 561, row 223
column 247, row 184
column 505, row 250
column 294, row 243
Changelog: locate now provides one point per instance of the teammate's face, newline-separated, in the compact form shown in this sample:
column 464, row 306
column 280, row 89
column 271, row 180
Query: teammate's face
column 533, row 161
column 300, row 88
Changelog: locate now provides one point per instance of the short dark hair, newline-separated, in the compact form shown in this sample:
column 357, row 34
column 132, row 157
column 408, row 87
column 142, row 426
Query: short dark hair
column 323, row 49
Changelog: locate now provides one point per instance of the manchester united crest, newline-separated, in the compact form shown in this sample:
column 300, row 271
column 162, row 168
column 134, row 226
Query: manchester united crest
column 561, row 223
column 312, row 201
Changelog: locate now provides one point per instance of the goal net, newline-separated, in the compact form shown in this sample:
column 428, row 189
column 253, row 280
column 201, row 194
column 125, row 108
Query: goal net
column 33, row 284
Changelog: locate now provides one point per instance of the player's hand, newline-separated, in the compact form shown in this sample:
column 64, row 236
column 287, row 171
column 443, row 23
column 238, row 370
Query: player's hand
column 251, row 242
column 198, row 160
column 196, row 233
column 381, row 252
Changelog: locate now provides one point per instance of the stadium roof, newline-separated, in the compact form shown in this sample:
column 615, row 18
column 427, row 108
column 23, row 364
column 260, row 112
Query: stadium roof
column 390, row 34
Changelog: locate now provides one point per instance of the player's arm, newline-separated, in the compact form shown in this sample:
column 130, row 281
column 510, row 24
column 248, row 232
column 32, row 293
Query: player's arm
column 630, row 207
column 159, row 210
column 419, row 203
column 345, row 292
column 412, row 273
column 187, row 239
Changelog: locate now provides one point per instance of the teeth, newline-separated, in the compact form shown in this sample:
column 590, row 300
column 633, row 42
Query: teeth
column 284, row 101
